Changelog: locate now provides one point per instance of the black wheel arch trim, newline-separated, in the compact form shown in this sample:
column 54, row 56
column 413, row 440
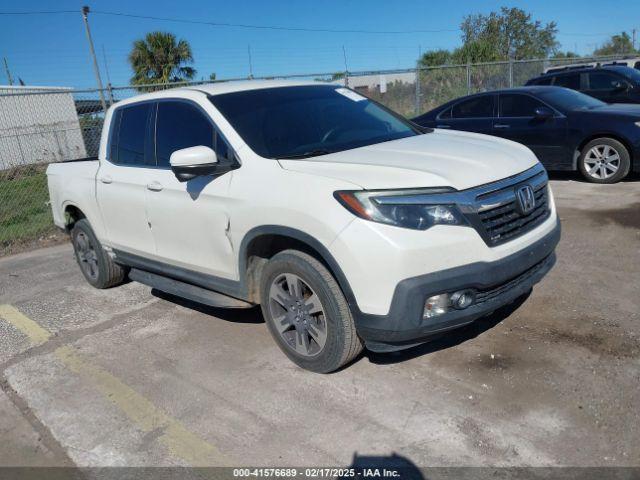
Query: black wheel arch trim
column 305, row 238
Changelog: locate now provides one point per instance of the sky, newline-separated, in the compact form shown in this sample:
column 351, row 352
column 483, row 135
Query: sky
column 52, row 49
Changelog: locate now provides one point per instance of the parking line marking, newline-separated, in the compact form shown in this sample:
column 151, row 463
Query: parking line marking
column 175, row 437
column 36, row 334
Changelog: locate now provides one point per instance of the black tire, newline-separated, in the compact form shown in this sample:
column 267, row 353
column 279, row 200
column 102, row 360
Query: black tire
column 95, row 264
column 341, row 342
column 623, row 164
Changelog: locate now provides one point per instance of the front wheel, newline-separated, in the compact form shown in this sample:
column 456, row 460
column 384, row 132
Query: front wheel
column 307, row 313
column 604, row 160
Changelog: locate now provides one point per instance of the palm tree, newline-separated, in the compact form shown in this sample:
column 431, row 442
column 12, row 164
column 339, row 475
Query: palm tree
column 160, row 58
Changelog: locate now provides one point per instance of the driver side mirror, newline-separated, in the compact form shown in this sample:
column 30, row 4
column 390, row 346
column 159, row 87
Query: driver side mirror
column 192, row 162
column 543, row 113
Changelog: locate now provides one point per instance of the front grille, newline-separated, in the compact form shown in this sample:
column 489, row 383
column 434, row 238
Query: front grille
column 491, row 208
column 504, row 222
column 485, row 295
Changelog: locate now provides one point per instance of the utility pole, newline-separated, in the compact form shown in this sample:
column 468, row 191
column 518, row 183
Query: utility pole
column 346, row 68
column 106, row 69
column 250, row 62
column 418, row 76
column 6, row 68
column 85, row 14
column 633, row 42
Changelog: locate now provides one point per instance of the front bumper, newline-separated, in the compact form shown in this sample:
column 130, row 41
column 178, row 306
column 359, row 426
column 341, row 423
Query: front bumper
column 498, row 283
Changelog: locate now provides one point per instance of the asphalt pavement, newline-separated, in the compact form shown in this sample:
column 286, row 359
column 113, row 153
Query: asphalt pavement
column 133, row 377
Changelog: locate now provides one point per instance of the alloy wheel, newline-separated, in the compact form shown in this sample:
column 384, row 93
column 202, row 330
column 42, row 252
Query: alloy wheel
column 297, row 314
column 602, row 161
column 87, row 255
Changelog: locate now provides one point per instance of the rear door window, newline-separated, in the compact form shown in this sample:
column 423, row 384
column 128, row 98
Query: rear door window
column 131, row 141
column 516, row 105
column 571, row 81
column 181, row 125
column 476, row 107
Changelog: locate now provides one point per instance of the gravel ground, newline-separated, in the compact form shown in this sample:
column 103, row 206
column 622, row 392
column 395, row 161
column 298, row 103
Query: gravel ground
column 132, row 377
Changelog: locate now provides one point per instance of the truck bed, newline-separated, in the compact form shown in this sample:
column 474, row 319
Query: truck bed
column 72, row 182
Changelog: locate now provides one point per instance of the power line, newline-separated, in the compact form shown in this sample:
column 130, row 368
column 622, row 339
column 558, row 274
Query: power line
column 47, row 12
column 268, row 27
column 275, row 27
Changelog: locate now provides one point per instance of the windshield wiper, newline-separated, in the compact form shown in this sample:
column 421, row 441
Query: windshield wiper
column 310, row 153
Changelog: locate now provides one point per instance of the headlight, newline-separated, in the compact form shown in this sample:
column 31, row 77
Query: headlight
column 416, row 209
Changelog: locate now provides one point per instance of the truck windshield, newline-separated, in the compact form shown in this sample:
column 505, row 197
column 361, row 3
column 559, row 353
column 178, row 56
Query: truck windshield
column 307, row 121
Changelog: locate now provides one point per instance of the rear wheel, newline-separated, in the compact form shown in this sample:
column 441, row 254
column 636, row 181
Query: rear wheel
column 604, row 160
column 95, row 264
column 307, row 314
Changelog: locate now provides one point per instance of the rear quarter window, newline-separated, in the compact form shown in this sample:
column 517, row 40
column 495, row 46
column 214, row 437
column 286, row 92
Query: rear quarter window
column 476, row 107
column 542, row 81
column 446, row 113
column 571, row 80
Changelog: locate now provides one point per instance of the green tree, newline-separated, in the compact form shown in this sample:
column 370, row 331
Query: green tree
column 567, row 54
column 476, row 51
column 160, row 58
column 435, row 58
column 510, row 33
column 617, row 44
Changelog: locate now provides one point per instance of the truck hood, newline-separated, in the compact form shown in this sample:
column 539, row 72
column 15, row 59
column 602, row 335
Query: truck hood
column 439, row 159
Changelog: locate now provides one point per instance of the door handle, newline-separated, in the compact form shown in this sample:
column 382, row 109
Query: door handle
column 154, row 186
column 501, row 125
column 443, row 126
column 106, row 179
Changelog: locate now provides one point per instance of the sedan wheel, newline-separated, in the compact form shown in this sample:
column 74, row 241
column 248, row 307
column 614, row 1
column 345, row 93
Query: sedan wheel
column 602, row 162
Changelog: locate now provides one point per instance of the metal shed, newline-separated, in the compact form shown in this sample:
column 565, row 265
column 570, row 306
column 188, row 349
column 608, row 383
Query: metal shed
column 38, row 125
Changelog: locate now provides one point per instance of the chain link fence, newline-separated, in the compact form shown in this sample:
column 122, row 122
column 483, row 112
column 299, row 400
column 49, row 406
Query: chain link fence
column 40, row 125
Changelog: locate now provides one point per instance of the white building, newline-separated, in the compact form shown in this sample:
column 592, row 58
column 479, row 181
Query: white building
column 38, row 125
column 380, row 81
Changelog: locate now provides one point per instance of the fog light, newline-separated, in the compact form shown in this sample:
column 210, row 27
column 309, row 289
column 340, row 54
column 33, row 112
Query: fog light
column 462, row 299
column 436, row 305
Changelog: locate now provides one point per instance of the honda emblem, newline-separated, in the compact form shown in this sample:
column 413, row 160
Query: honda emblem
column 526, row 200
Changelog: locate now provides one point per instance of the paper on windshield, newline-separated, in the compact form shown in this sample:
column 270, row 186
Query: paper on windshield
column 350, row 94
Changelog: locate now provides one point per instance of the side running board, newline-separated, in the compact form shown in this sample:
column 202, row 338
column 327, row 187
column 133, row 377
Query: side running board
column 186, row 290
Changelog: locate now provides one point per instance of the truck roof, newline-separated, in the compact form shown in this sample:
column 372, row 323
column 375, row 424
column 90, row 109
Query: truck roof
column 219, row 88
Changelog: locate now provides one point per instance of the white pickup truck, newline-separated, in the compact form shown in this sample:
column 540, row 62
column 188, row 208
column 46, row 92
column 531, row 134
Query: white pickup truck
column 349, row 225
